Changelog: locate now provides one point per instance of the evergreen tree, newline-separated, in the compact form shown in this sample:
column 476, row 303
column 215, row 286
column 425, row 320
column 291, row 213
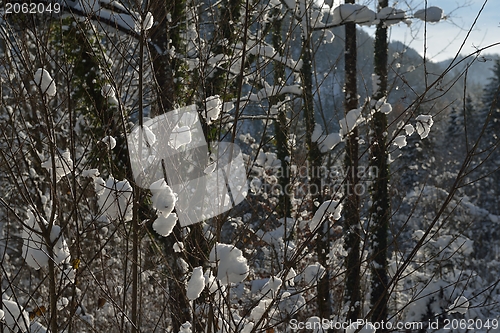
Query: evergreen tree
column 491, row 103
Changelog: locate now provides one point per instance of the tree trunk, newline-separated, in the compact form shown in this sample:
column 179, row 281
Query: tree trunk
column 351, row 206
column 167, row 34
column 380, row 210
column 315, row 158
column 281, row 124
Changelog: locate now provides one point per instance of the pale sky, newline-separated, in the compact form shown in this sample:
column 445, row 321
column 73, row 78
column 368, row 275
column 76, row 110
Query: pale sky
column 444, row 38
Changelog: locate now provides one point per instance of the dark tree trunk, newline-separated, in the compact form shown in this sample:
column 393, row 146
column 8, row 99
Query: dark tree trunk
column 315, row 157
column 351, row 205
column 380, row 210
column 167, row 34
column 281, row 124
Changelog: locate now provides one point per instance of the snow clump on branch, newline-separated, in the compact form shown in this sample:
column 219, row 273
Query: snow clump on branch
column 63, row 165
column 213, row 106
column 35, row 251
column 43, row 79
column 424, row 124
column 163, row 200
column 353, row 13
column 231, row 265
column 196, row 284
column 115, row 199
column 430, row 14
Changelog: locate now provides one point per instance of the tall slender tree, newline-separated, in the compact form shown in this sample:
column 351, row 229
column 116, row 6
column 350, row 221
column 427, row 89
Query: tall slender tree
column 380, row 209
column 281, row 124
column 352, row 200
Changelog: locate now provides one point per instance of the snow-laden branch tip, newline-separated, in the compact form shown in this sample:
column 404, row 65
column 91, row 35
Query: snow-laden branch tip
column 164, row 225
column 382, row 106
column 353, row 13
column 260, row 48
column 163, row 199
column 362, row 15
column 400, row 141
column 350, row 121
column 329, row 207
column 325, row 142
column 409, row 129
column 391, row 16
column 461, row 305
column 63, row 165
column 270, row 91
column 271, row 287
column 34, row 249
column 115, row 13
column 213, row 108
column 109, row 92
column 43, row 79
column 423, row 125
column 196, row 284
column 280, row 106
column 109, row 141
column 231, row 265
column 430, row 14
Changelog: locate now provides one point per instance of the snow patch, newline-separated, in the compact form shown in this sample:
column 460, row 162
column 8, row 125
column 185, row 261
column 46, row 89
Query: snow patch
column 34, row 250
column 353, row 13
column 391, row 16
column 409, row 129
column 312, row 274
column 109, row 141
column 329, row 142
column 178, row 246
